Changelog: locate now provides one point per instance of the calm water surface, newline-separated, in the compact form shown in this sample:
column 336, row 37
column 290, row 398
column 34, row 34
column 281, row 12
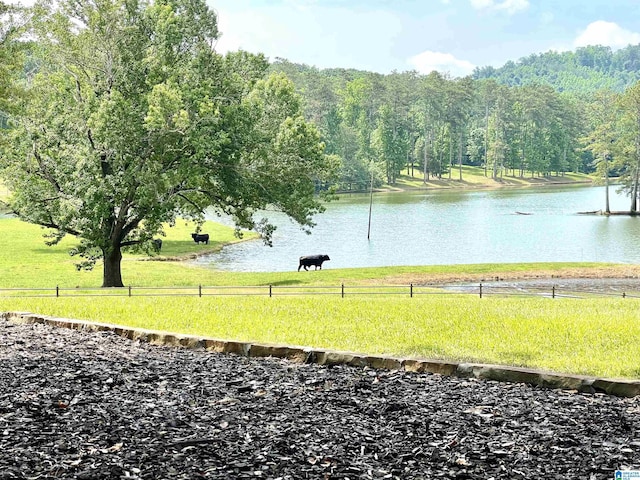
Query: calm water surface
column 431, row 228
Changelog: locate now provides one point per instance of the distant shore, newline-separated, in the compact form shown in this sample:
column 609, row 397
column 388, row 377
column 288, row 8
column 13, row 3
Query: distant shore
column 473, row 178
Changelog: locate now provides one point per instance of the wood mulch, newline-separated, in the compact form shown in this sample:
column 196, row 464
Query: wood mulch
column 80, row 405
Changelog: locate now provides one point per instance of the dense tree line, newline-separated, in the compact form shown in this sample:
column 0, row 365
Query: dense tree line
column 381, row 124
column 583, row 71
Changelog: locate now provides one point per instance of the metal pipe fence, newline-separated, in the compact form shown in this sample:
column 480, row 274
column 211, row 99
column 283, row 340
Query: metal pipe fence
column 411, row 290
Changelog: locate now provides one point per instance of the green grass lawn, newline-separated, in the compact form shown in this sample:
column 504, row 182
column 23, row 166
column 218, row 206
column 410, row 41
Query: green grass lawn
column 26, row 261
column 592, row 337
column 586, row 336
column 474, row 177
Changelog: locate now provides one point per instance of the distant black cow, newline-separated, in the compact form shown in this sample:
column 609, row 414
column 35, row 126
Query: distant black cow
column 200, row 237
column 157, row 244
column 312, row 260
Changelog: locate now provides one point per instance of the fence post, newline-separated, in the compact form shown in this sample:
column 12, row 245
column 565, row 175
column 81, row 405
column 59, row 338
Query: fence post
column 624, row 295
column 480, row 290
column 553, row 291
column 200, row 291
column 411, row 290
column 270, row 290
column 342, row 290
column 129, row 290
column 57, row 291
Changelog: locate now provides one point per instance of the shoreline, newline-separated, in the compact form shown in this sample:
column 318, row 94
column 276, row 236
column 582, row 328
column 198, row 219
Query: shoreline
column 413, row 184
column 626, row 272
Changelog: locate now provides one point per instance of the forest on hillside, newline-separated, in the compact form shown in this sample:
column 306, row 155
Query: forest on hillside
column 582, row 72
column 377, row 125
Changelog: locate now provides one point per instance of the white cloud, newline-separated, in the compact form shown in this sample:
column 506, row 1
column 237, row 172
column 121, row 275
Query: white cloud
column 509, row 6
column 428, row 61
column 606, row 33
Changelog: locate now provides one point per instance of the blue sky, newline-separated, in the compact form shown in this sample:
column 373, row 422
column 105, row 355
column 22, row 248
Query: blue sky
column 447, row 35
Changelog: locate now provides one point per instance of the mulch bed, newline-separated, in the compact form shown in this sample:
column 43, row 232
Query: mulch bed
column 79, row 405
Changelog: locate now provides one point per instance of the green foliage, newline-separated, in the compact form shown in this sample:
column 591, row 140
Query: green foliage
column 132, row 120
column 628, row 144
column 528, row 117
column 12, row 57
column 437, row 124
column 582, row 72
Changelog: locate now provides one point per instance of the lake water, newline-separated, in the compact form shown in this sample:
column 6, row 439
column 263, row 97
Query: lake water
column 449, row 227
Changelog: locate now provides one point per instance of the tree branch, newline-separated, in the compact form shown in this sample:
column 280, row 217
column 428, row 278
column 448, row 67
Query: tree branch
column 130, row 242
column 188, row 200
column 53, row 225
column 45, row 170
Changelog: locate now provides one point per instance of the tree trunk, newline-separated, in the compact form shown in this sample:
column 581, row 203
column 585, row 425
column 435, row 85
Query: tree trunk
column 494, row 175
column 634, row 193
column 607, row 209
column 523, row 159
column 112, row 274
column 460, row 154
column 427, row 143
column 636, row 179
column 450, row 153
column 486, row 138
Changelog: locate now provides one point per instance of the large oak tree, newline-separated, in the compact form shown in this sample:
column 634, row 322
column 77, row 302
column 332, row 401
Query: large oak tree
column 132, row 119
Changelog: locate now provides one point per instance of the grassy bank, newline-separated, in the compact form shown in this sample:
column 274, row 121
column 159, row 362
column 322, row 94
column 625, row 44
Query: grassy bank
column 475, row 178
column 25, row 261
column 595, row 336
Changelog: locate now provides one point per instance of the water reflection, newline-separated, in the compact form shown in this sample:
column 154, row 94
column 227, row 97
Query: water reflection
column 430, row 228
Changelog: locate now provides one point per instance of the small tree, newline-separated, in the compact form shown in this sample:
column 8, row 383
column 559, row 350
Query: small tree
column 603, row 135
column 629, row 104
column 133, row 120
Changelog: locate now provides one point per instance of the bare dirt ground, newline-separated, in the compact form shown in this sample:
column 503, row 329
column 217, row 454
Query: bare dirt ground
column 630, row 274
column 80, row 405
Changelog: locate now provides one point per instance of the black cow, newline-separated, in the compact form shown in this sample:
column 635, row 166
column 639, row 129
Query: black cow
column 157, row 244
column 200, row 237
column 312, row 260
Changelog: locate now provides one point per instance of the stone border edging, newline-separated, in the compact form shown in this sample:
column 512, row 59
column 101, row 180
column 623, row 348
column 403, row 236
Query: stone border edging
column 501, row 373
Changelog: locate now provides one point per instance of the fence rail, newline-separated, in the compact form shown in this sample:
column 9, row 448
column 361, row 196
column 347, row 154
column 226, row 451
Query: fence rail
column 480, row 290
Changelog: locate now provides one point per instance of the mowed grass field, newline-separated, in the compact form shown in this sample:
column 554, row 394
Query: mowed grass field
column 595, row 336
column 475, row 177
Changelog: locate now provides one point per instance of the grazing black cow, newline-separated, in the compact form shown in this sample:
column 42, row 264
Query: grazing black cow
column 200, row 237
column 312, row 260
column 157, row 244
